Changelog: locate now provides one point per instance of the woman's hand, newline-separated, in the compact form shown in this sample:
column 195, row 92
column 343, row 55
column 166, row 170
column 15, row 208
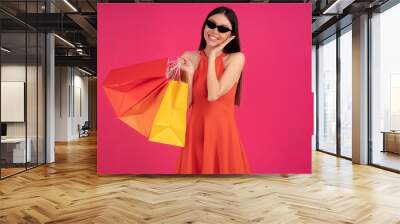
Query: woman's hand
column 187, row 67
column 216, row 50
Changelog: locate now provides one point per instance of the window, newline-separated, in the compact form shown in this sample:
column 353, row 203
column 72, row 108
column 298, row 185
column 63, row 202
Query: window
column 327, row 95
column 346, row 93
column 385, row 88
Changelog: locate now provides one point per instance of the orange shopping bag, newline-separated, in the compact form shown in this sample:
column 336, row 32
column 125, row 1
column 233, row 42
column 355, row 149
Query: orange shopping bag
column 135, row 92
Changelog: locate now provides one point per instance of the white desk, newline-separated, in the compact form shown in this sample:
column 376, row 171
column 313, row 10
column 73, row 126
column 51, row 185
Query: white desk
column 18, row 149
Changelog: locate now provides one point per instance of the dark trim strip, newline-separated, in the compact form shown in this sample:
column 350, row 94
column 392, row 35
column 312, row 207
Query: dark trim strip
column 333, row 154
column 26, row 91
column 317, row 96
column 338, row 82
column 385, row 168
column 369, row 81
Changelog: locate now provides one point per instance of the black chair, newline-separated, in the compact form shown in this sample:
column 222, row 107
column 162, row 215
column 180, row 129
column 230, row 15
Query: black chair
column 84, row 130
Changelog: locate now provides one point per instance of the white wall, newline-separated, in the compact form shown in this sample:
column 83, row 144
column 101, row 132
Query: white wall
column 16, row 73
column 71, row 94
column 61, row 103
column 10, row 73
column 81, row 100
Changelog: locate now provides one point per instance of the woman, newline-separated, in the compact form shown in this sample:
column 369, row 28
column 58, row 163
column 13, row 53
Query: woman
column 213, row 73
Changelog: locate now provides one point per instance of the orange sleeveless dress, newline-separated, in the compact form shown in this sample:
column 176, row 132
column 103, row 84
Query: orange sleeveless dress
column 213, row 144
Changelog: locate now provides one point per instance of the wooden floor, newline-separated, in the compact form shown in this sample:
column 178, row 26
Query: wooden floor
column 70, row 191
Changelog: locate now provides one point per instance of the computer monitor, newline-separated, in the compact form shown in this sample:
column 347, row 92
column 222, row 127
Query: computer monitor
column 3, row 129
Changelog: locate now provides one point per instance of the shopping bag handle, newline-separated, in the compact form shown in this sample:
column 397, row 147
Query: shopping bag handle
column 173, row 70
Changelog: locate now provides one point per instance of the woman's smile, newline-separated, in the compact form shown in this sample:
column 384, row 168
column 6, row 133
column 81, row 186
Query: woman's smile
column 213, row 37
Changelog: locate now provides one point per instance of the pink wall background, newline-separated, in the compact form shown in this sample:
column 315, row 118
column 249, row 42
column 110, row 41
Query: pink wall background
column 275, row 118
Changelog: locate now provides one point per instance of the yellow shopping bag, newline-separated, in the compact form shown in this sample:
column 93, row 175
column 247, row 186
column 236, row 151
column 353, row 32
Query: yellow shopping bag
column 169, row 125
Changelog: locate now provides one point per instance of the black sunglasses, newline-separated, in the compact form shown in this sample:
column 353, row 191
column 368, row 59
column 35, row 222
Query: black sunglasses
column 222, row 29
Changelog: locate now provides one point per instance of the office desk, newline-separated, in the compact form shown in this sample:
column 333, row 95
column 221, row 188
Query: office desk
column 13, row 150
column 391, row 141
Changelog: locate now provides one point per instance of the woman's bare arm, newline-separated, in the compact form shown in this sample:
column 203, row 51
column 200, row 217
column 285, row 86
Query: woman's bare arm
column 217, row 88
column 187, row 69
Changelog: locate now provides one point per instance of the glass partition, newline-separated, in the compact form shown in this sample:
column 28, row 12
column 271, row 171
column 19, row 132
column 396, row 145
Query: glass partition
column 13, row 104
column 22, row 88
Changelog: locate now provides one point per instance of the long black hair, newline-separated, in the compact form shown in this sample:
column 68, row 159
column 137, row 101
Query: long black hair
column 231, row 47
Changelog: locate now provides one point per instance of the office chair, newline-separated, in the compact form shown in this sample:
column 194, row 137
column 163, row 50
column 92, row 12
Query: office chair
column 84, row 130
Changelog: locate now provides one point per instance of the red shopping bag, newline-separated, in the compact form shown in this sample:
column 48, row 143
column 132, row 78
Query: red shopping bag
column 135, row 93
